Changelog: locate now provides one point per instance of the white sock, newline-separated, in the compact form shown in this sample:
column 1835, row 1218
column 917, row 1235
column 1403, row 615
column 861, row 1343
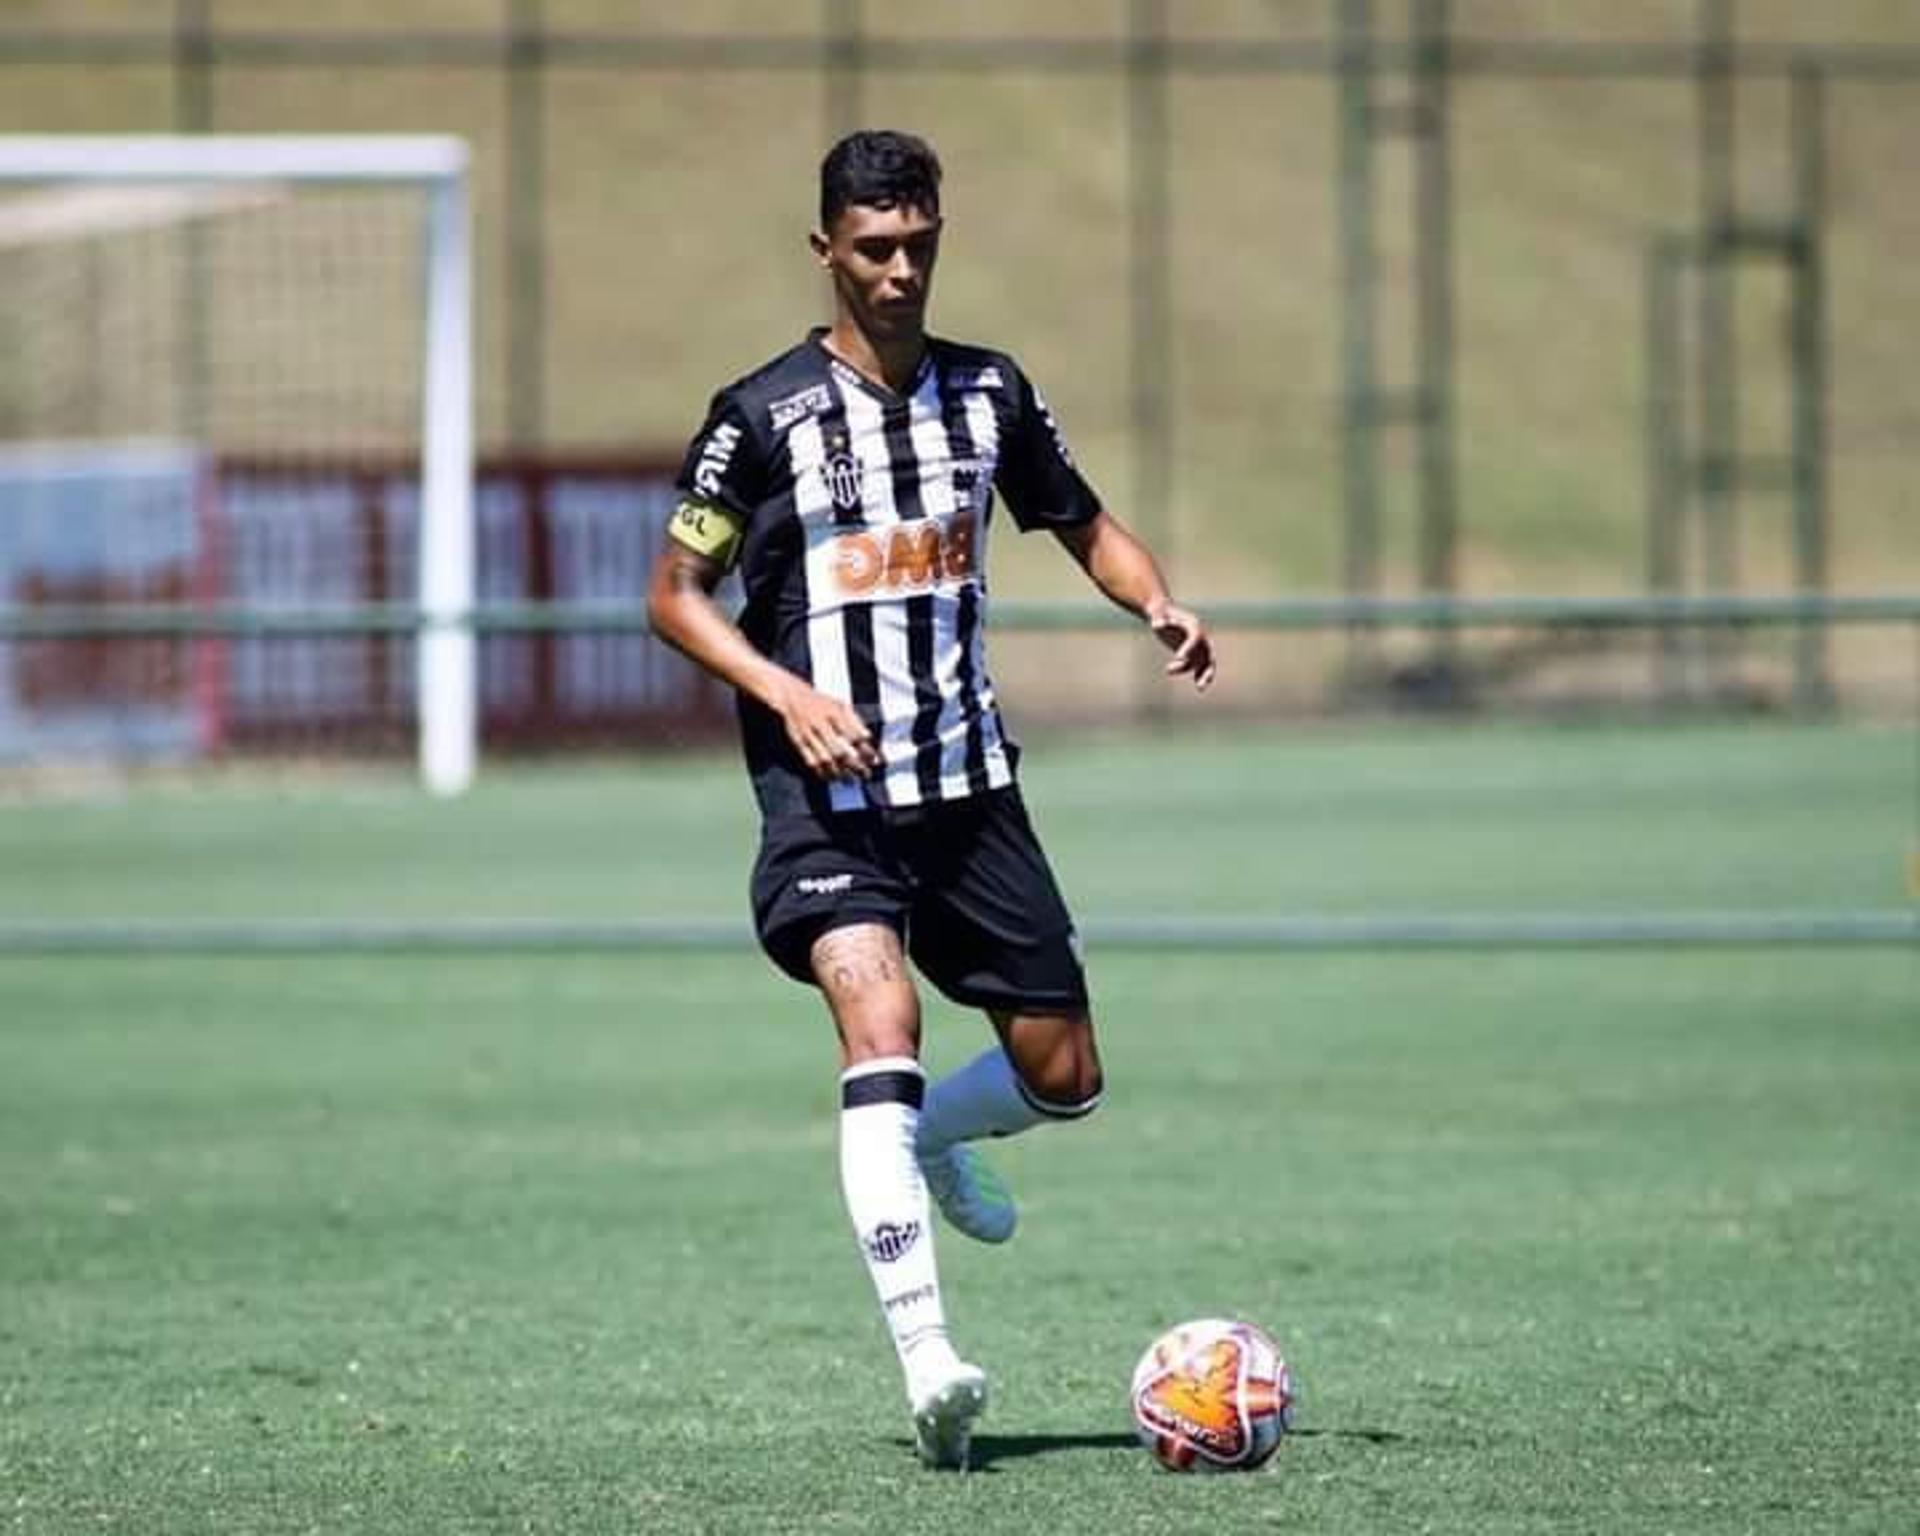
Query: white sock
column 880, row 1177
column 986, row 1098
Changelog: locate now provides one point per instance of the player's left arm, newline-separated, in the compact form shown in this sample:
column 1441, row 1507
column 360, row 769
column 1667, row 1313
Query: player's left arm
column 1044, row 489
column 1125, row 570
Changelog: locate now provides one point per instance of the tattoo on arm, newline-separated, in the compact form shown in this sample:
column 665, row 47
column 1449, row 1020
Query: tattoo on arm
column 690, row 572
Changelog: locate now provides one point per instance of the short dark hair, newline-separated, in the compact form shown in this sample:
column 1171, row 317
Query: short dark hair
column 879, row 168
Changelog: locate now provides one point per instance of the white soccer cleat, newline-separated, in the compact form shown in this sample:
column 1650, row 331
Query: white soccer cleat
column 969, row 1193
column 943, row 1414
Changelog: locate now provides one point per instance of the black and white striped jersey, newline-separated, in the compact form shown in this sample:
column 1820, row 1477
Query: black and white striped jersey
column 857, row 521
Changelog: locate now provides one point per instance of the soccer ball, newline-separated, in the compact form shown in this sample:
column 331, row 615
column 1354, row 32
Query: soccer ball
column 1212, row 1395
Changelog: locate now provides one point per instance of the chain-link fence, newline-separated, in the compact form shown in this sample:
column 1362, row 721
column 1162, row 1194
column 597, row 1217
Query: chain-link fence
column 1366, row 296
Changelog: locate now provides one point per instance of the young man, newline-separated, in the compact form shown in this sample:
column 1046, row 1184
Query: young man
column 849, row 482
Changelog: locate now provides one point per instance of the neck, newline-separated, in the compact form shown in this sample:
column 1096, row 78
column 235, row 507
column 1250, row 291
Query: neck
column 891, row 360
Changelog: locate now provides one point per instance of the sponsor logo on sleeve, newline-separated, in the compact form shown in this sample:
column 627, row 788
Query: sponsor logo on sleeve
column 823, row 885
column 715, row 455
column 976, row 378
column 1059, row 440
column 814, row 400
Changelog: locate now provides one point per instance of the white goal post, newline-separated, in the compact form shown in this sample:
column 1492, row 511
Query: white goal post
column 211, row 167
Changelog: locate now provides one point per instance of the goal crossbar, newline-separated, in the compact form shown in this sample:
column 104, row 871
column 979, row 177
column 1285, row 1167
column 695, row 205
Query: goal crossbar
column 233, row 157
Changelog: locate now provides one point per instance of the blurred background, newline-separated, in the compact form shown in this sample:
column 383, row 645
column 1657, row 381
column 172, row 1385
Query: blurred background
column 1418, row 302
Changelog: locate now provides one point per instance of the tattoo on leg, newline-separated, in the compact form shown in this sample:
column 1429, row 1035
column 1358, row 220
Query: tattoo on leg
column 850, row 958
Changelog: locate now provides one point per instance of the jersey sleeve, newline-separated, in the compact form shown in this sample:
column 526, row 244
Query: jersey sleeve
column 1037, row 477
column 721, row 481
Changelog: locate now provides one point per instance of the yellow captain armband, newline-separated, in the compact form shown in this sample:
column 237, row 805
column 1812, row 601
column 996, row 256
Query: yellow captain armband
column 707, row 530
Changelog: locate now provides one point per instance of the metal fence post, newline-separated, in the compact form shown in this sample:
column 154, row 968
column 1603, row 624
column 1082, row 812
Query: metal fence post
column 1359, row 459
column 1433, row 226
column 1717, row 469
column 193, row 113
column 1150, row 295
column 1665, row 448
column 526, row 68
column 843, row 74
column 1812, row 680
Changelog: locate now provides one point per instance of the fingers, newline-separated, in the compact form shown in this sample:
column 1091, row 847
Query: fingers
column 836, row 744
column 836, row 757
column 1191, row 645
column 1204, row 668
column 859, row 755
column 1195, row 657
column 857, row 745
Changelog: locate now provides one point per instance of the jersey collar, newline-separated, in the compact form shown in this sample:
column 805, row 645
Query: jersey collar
column 847, row 374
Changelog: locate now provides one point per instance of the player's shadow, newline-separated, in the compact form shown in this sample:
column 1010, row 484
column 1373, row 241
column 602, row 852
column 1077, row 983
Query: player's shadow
column 988, row 1449
column 1371, row 1436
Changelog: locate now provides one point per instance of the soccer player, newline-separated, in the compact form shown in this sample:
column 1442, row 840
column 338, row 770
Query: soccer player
column 850, row 482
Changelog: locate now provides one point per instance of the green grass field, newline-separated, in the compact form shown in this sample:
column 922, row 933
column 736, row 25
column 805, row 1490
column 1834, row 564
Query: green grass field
column 1623, row 1241
column 1311, row 820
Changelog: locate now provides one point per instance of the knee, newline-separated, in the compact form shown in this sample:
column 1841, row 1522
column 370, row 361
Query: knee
column 1064, row 1084
column 1063, row 1098
column 863, row 976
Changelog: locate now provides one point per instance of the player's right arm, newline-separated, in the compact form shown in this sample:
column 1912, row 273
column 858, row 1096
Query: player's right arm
column 723, row 482
column 831, row 739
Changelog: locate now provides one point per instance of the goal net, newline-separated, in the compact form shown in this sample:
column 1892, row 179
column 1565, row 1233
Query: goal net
column 235, row 375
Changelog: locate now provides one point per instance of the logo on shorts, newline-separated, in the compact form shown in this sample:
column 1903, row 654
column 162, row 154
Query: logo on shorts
column 823, row 885
column 890, row 1241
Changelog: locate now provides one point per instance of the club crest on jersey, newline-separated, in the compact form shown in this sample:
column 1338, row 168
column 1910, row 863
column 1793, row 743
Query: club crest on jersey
column 842, row 471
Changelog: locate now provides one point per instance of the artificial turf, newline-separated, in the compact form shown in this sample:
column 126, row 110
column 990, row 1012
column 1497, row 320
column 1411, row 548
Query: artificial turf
column 1554, row 1241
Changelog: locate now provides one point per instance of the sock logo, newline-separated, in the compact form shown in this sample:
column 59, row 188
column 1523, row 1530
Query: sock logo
column 890, row 1241
column 908, row 1298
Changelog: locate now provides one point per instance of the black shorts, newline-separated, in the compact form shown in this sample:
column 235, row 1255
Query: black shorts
column 963, row 883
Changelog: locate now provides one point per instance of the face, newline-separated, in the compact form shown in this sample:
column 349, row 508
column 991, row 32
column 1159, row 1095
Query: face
column 881, row 261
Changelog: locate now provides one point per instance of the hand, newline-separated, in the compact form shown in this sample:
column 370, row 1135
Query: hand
column 1182, row 633
column 831, row 739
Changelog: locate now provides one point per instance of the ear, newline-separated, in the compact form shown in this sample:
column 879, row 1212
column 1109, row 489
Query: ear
column 822, row 250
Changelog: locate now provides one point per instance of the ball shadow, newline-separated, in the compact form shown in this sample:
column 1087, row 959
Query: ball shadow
column 989, row 1450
